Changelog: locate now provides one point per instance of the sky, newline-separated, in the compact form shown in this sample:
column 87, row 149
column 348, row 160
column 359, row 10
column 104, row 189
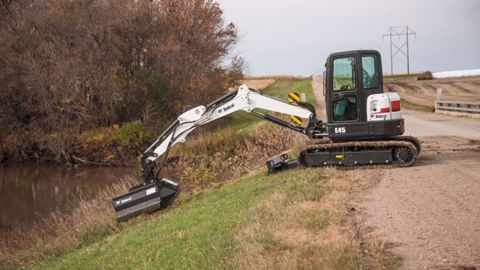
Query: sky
column 296, row 36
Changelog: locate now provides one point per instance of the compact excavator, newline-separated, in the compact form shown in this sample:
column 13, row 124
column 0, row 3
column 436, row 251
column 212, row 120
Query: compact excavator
column 363, row 123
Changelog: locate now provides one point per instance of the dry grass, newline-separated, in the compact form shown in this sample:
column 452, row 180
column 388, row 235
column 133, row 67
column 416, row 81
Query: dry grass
column 276, row 77
column 424, row 92
column 298, row 229
column 262, row 82
column 220, row 156
column 310, row 227
column 61, row 232
column 258, row 84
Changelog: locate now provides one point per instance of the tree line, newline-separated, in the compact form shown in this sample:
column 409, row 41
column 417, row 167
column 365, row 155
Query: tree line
column 67, row 66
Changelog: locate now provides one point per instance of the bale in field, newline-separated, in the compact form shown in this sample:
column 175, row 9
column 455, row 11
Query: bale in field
column 427, row 75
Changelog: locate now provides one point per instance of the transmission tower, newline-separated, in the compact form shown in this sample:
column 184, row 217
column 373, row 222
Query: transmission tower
column 400, row 45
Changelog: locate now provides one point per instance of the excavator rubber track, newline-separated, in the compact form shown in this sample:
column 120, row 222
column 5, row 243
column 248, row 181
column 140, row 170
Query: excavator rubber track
column 401, row 151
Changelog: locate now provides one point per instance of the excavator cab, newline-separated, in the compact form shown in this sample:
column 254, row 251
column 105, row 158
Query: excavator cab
column 357, row 106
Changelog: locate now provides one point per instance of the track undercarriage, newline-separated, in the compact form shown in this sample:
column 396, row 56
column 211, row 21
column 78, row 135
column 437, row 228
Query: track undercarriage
column 400, row 151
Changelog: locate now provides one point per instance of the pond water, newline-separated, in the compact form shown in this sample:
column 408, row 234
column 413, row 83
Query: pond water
column 31, row 192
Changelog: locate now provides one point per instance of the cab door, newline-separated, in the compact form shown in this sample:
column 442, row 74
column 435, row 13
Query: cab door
column 371, row 81
column 343, row 104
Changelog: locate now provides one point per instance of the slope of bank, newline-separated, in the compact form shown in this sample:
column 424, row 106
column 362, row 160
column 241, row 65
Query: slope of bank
column 199, row 234
column 292, row 220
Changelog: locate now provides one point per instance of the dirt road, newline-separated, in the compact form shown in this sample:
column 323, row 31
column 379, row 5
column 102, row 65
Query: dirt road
column 430, row 212
column 317, row 85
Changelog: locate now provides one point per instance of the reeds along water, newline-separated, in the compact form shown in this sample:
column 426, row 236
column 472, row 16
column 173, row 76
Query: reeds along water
column 59, row 231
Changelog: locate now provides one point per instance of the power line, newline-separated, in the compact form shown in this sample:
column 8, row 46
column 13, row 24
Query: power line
column 400, row 32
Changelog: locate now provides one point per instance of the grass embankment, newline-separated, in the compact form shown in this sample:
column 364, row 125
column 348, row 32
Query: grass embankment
column 296, row 219
column 214, row 229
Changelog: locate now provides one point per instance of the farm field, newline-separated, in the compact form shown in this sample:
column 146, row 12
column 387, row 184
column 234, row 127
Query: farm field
column 424, row 92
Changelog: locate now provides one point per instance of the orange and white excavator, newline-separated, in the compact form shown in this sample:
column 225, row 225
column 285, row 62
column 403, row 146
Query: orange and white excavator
column 364, row 125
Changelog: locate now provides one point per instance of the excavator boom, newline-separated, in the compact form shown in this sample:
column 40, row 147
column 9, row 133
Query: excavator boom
column 243, row 99
column 156, row 192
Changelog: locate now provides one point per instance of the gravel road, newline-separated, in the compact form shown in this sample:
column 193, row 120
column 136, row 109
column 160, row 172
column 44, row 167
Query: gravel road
column 430, row 212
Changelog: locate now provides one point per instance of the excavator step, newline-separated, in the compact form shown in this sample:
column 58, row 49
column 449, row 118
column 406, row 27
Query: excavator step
column 145, row 198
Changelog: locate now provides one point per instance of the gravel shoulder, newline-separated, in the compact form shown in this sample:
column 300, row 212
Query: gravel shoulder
column 428, row 213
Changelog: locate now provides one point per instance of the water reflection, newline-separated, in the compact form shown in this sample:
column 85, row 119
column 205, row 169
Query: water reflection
column 31, row 192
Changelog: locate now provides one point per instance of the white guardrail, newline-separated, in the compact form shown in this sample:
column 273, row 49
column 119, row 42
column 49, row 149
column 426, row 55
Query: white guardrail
column 456, row 106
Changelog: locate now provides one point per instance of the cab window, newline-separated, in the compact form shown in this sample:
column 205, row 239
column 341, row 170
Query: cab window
column 343, row 74
column 370, row 76
column 345, row 108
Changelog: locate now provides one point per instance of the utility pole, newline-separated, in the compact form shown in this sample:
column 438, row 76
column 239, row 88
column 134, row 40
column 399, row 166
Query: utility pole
column 400, row 32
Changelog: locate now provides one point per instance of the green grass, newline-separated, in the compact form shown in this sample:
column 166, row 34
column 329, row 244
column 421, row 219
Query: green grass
column 343, row 81
column 243, row 121
column 199, row 234
column 281, row 88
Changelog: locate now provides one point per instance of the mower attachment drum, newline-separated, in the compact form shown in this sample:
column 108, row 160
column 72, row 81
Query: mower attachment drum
column 145, row 198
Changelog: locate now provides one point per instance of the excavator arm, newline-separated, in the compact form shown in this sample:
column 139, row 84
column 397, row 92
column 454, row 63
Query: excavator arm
column 242, row 99
column 157, row 192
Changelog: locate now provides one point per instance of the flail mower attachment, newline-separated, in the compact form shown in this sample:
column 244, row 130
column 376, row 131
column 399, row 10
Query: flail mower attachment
column 154, row 194
column 145, row 198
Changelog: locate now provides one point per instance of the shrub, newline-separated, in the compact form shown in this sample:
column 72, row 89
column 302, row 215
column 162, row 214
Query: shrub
column 130, row 134
column 200, row 176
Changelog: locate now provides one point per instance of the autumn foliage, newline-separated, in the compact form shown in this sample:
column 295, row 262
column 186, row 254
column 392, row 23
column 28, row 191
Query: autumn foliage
column 69, row 66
